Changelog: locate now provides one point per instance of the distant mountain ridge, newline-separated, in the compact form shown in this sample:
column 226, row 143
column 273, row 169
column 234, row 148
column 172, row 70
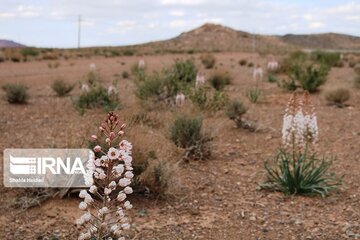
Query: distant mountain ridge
column 10, row 44
column 215, row 37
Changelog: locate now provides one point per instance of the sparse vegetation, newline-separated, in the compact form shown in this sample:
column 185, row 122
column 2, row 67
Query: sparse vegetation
column 187, row 133
column 97, row 97
column 329, row 59
column 125, row 74
column 235, row 110
column 219, row 80
column 208, row 60
column 254, row 95
column 16, row 93
column 243, row 62
column 299, row 173
column 272, row 78
column 312, row 78
column 62, row 88
column 337, row 97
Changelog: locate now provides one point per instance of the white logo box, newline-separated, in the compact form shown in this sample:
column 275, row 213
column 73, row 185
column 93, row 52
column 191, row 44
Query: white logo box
column 59, row 168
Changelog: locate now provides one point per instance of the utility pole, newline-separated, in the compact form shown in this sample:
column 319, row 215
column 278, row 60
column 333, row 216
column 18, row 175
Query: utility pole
column 79, row 31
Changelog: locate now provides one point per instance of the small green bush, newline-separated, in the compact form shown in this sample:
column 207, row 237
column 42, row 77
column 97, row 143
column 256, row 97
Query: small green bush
column 129, row 52
column 219, row 80
column 150, row 87
column 186, row 132
column 211, row 101
column 138, row 72
column 208, row 60
column 337, row 97
column 183, row 71
column 254, row 95
column 235, row 110
column 329, row 59
column 29, row 52
column 287, row 85
column 97, row 97
column 272, row 78
column 300, row 173
column 16, row 93
column 243, row 62
column 312, row 78
column 61, row 87
column 125, row 74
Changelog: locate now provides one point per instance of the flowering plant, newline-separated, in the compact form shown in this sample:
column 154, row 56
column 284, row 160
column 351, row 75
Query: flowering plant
column 108, row 176
column 294, row 170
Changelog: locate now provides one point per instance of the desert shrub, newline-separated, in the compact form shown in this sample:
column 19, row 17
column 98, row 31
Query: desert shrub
column 186, row 132
column 337, row 97
column 16, row 93
column 211, row 101
column 357, row 81
column 329, row 59
column 97, row 97
column 125, row 74
column 93, row 78
column 250, row 64
column 272, row 78
column 2, row 56
column 15, row 58
column 208, row 60
column 352, row 63
column 150, row 87
column 219, row 80
column 199, row 97
column 357, row 68
column 235, row 110
column 243, row 62
column 288, row 85
column 183, row 71
column 339, row 64
column 61, row 87
column 138, row 72
column 312, row 78
column 129, row 52
column 254, row 95
column 292, row 64
column 299, row 173
column 29, row 52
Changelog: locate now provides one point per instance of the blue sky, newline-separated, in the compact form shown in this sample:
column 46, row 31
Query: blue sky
column 46, row 23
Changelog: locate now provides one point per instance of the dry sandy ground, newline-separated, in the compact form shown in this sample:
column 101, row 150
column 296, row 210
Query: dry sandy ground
column 217, row 199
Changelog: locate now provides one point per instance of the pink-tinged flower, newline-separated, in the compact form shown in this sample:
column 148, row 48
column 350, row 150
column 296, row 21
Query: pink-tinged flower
column 123, row 182
column 127, row 205
column 113, row 153
column 128, row 190
column 120, row 133
column 83, row 205
column 88, row 199
column 104, row 161
column 86, row 217
column 94, row 138
column 120, row 212
column 114, row 228
column 129, row 175
column 112, row 185
column 125, row 145
column 101, row 129
column 103, row 211
column 127, row 159
column 112, row 135
column 102, row 176
column 121, row 197
column 83, row 194
column 97, row 148
column 107, row 140
column 93, row 189
column 107, row 191
column 119, row 169
column 125, row 226
column 79, row 221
